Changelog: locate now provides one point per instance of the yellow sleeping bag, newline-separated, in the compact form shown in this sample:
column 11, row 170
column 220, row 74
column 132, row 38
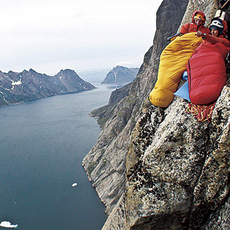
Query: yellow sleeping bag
column 173, row 63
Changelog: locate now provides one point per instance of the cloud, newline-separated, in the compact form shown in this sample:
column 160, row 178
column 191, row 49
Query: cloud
column 79, row 34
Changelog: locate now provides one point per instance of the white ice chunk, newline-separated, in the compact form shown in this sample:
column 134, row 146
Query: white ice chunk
column 7, row 224
column 74, row 184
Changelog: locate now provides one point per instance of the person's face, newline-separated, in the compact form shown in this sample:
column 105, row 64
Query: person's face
column 214, row 32
column 198, row 22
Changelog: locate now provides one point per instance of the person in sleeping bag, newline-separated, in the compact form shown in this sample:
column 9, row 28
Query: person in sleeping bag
column 198, row 21
column 218, row 29
column 206, row 68
column 174, row 58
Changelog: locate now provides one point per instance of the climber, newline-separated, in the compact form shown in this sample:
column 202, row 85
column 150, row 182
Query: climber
column 217, row 36
column 174, row 59
column 173, row 62
column 206, row 68
column 218, row 29
column 198, row 21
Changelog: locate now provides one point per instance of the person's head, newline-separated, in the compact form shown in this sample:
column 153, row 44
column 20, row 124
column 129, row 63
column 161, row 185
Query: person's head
column 216, row 27
column 198, row 18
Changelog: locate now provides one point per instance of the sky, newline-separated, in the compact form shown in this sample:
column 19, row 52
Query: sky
column 83, row 35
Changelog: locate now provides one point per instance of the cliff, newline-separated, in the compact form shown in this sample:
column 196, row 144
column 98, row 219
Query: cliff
column 104, row 113
column 160, row 168
column 30, row 85
column 120, row 74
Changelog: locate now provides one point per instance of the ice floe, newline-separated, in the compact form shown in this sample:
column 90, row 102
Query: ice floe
column 74, row 184
column 7, row 224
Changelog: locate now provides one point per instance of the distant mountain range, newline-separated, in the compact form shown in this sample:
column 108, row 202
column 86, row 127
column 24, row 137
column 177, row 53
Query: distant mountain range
column 120, row 74
column 30, row 85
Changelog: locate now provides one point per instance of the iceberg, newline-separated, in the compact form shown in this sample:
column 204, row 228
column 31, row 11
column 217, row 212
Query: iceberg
column 7, row 224
column 74, row 184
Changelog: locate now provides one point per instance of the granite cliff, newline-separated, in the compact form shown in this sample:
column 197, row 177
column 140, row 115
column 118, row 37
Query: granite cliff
column 160, row 168
column 30, row 85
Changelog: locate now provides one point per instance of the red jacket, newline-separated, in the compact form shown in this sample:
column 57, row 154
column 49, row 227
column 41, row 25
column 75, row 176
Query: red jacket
column 192, row 27
column 211, row 39
column 220, row 39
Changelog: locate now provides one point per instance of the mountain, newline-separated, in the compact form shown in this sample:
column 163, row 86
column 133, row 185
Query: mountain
column 30, row 85
column 157, row 168
column 120, row 74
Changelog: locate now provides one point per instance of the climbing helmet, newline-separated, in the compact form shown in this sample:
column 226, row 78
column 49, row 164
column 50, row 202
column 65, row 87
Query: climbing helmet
column 218, row 25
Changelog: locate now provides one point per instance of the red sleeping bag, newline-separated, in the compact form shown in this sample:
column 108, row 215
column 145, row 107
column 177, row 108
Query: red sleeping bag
column 207, row 73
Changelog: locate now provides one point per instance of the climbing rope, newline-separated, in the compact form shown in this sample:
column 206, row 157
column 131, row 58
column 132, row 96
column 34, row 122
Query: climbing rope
column 224, row 4
column 201, row 112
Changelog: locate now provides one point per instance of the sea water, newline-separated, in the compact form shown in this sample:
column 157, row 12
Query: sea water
column 42, row 144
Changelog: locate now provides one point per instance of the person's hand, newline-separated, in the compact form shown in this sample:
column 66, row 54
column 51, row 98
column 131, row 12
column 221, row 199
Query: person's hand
column 199, row 34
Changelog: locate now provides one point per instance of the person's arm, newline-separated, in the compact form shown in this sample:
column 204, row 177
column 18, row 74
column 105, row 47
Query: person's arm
column 184, row 29
column 212, row 39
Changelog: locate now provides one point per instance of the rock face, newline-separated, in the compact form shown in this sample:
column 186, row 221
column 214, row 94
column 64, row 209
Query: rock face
column 177, row 171
column 160, row 168
column 120, row 74
column 177, row 167
column 30, row 85
column 104, row 113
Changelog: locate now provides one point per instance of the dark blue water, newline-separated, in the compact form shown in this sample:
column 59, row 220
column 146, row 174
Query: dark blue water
column 42, row 144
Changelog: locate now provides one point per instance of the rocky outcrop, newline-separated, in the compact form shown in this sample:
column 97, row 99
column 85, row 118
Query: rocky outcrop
column 177, row 167
column 30, row 85
column 177, row 171
column 120, row 74
column 104, row 113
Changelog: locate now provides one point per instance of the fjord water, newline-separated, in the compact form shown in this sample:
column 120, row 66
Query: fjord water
column 42, row 144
